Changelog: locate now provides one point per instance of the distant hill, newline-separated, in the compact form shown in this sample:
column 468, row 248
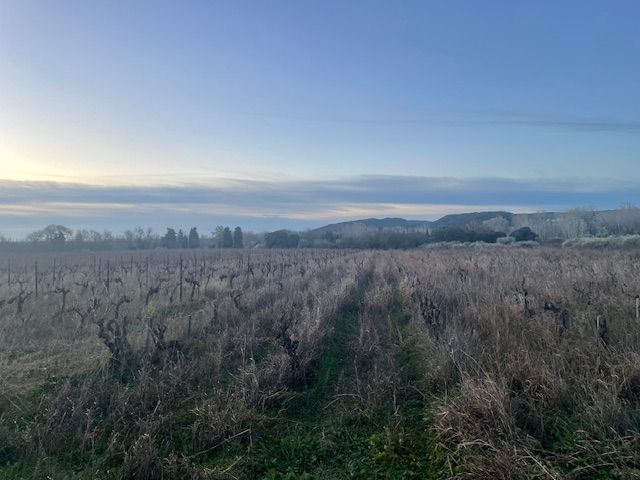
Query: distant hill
column 475, row 218
column 368, row 225
column 549, row 225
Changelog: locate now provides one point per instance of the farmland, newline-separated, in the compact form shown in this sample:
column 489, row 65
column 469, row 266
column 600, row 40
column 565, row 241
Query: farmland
column 478, row 363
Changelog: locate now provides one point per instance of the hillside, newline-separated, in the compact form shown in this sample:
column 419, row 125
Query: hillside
column 548, row 225
column 368, row 225
column 461, row 220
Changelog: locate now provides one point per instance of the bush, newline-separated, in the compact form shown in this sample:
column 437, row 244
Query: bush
column 524, row 234
column 612, row 242
column 506, row 240
column 281, row 239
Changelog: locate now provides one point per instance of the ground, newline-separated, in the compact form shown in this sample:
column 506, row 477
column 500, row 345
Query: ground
column 468, row 363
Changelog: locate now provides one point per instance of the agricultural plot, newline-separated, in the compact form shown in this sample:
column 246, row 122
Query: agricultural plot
column 298, row 364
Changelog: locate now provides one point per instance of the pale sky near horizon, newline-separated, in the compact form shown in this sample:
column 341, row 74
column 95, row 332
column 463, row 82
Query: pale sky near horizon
column 267, row 98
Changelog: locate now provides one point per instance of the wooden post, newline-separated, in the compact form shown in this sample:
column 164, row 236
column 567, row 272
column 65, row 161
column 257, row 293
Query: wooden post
column 99, row 269
column 36, row 278
column 108, row 274
column 189, row 330
column 53, row 273
column 602, row 327
column 181, row 278
column 8, row 271
column 638, row 308
column 147, row 270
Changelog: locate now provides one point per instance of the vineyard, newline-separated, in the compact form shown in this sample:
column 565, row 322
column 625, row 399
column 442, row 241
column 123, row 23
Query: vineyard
column 470, row 363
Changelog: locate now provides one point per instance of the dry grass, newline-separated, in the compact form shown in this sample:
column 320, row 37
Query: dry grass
column 529, row 387
column 464, row 363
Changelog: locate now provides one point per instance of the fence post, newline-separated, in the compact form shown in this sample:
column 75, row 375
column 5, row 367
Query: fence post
column 602, row 327
column 181, row 278
column 36, row 278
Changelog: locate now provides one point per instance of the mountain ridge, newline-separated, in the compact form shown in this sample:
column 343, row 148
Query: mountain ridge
column 565, row 224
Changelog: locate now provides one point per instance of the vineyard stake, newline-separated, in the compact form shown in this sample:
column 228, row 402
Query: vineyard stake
column 180, row 278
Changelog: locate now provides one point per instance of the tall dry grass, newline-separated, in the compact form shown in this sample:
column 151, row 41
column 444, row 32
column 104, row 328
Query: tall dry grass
column 463, row 363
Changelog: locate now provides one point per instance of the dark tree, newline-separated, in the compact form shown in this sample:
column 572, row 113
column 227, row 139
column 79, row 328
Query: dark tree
column 453, row 234
column 170, row 240
column 227, row 238
column 182, row 239
column 54, row 235
column 219, row 236
column 237, row 238
column 281, row 239
column 194, row 238
column 524, row 234
column 489, row 236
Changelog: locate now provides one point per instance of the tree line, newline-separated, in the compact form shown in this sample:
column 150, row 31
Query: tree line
column 61, row 238
column 386, row 239
column 226, row 239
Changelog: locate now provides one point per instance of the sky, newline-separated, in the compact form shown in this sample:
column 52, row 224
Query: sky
column 295, row 114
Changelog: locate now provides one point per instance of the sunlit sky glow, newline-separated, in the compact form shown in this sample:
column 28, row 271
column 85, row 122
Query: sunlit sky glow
column 104, row 105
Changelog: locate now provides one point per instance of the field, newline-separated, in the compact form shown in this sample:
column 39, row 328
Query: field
column 470, row 363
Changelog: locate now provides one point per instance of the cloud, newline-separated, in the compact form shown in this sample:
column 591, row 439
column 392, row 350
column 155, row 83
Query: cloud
column 565, row 122
column 560, row 121
column 268, row 204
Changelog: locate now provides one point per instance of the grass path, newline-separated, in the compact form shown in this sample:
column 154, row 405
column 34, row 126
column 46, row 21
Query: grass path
column 323, row 433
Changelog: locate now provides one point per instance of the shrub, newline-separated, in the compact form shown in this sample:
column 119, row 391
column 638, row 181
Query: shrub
column 611, row 242
column 524, row 234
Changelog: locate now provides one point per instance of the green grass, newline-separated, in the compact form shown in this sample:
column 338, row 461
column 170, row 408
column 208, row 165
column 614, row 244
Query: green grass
column 339, row 444
column 319, row 437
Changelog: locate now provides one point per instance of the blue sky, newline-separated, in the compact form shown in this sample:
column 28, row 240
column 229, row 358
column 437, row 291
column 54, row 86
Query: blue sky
column 113, row 102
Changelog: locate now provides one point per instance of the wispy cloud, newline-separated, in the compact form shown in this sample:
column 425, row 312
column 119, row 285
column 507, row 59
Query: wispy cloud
column 547, row 120
column 563, row 121
column 266, row 204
